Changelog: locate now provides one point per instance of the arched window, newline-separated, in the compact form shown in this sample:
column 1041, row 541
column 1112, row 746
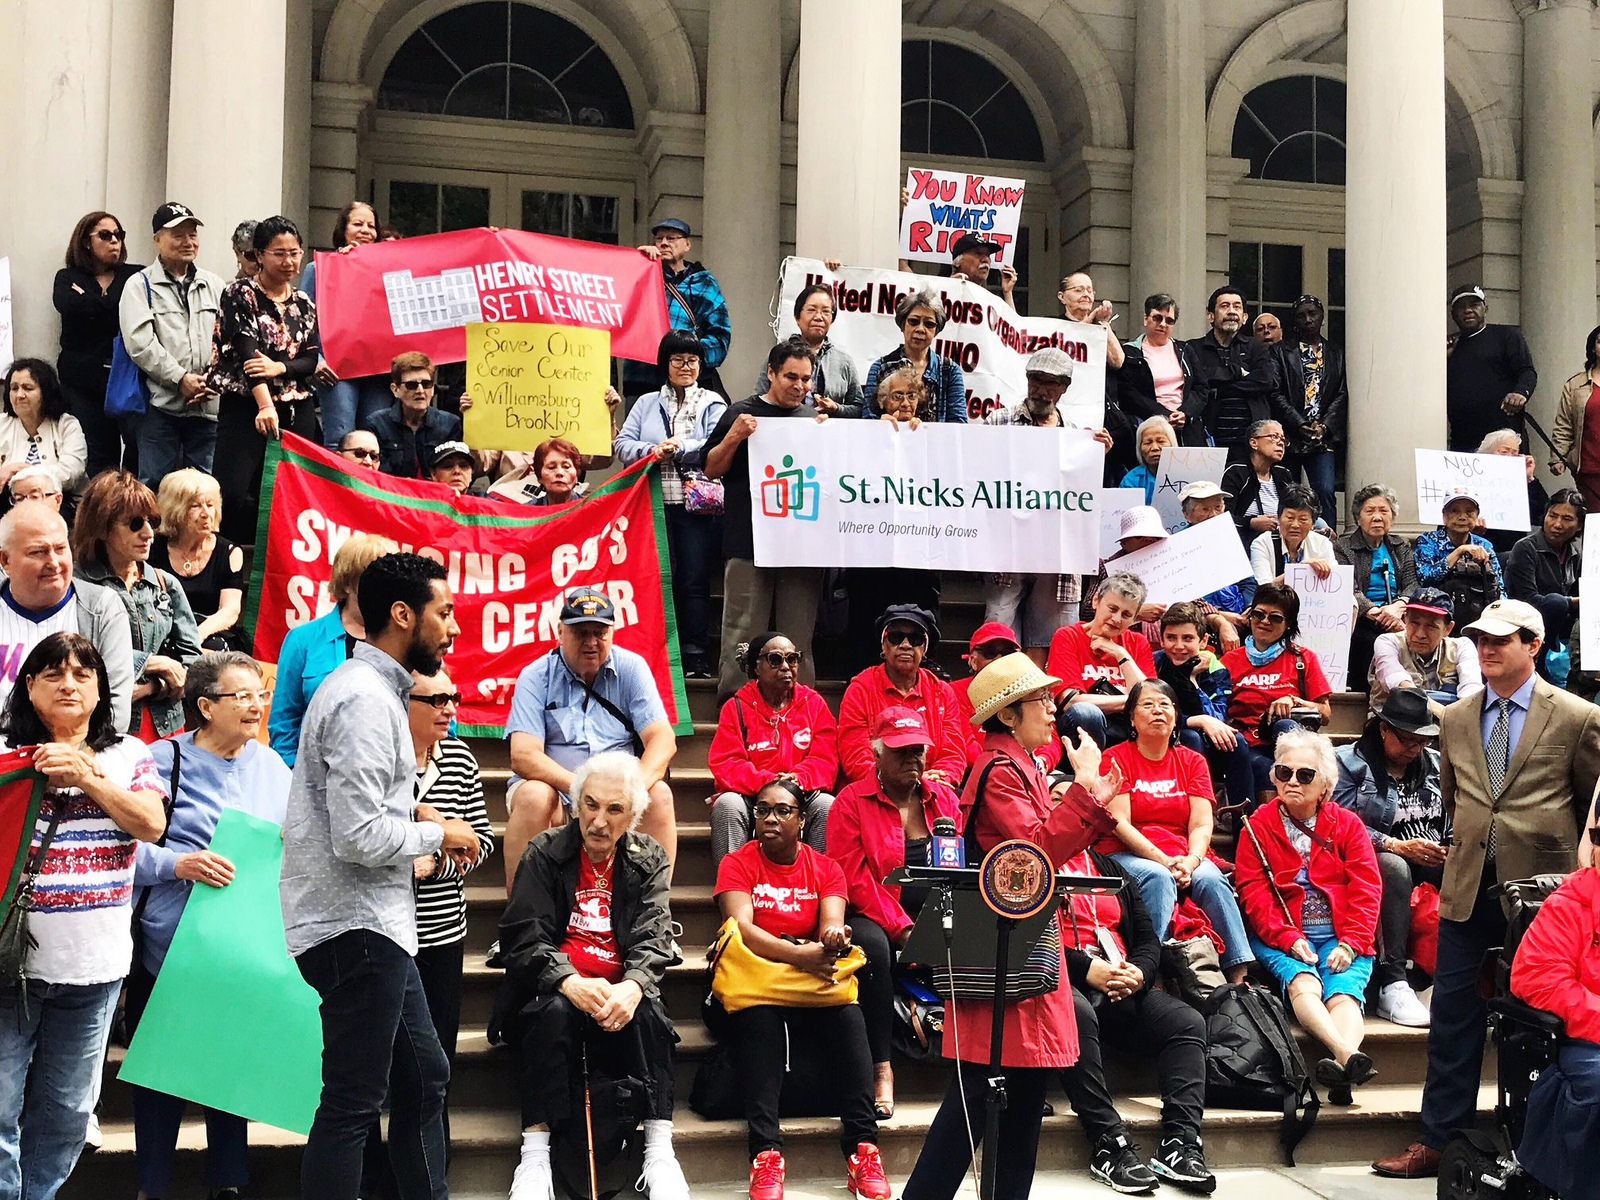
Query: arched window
column 509, row 62
column 1292, row 130
column 955, row 102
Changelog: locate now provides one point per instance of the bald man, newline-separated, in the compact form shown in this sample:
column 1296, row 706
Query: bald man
column 39, row 597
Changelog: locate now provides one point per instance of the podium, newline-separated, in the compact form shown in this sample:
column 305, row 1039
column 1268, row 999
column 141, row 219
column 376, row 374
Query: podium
column 1011, row 897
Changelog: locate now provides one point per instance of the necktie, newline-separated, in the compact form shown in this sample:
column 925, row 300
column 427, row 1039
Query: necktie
column 1497, row 756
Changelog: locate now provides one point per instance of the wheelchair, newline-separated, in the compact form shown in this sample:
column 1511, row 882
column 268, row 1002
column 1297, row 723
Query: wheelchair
column 1483, row 1163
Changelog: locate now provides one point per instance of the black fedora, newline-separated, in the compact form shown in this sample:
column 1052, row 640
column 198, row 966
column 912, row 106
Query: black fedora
column 1406, row 709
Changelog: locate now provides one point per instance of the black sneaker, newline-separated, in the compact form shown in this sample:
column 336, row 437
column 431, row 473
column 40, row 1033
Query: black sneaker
column 1116, row 1164
column 1182, row 1162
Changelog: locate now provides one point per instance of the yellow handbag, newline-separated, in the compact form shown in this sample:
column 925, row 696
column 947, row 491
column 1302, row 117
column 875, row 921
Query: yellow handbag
column 741, row 978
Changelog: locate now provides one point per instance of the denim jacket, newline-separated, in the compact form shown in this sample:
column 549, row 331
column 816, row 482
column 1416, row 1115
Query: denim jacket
column 162, row 623
column 649, row 423
column 1358, row 789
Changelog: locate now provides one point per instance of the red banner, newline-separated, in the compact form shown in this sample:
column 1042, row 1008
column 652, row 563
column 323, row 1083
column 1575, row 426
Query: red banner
column 417, row 293
column 509, row 566
column 21, row 790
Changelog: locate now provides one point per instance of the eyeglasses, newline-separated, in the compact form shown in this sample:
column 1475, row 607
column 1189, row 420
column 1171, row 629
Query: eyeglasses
column 1161, row 319
column 1304, row 776
column 438, row 699
column 111, row 235
column 1266, row 617
column 282, row 255
column 362, row 455
column 916, row 637
column 782, row 811
column 684, row 361
column 135, row 524
column 775, row 659
column 416, row 385
column 245, row 696
column 1047, row 700
column 1411, row 741
column 900, row 397
column 1269, row 437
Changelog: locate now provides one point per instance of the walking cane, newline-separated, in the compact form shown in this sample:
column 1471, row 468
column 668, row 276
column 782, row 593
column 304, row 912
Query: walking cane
column 588, row 1125
column 1544, row 437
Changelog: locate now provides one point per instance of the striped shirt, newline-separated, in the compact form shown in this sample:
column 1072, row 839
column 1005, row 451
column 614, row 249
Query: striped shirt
column 450, row 784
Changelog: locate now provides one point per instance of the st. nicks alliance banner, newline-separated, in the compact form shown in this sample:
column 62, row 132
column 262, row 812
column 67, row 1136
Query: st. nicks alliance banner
column 939, row 497
column 508, row 565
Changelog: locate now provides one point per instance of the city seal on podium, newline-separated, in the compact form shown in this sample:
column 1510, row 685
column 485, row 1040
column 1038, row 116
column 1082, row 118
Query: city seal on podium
column 1016, row 879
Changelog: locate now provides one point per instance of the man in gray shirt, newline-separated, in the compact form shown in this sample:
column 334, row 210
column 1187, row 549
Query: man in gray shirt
column 349, row 913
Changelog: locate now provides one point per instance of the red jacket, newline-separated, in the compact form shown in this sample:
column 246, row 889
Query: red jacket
column 1041, row 1031
column 1348, row 873
column 870, row 693
column 754, row 742
column 1557, row 967
column 1047, row 756
column 866, row 838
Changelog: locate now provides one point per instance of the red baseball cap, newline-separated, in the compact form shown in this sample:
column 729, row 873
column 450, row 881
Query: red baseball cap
column 993, row 631
column 899, row 726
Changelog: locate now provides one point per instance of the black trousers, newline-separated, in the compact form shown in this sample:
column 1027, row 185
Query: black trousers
column 767, row 1037
column 1363, row 635
column 1400, row 877
column 876, row 984
column 1146, row 1023
column 946, row 1154
column 554, row 1033
column 241, row 452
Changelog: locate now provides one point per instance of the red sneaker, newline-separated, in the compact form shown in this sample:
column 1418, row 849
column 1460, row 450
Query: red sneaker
column 866, row 1179
column 766, row 1176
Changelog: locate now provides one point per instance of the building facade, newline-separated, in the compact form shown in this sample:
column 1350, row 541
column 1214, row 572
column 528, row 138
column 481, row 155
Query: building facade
column 1367, row 151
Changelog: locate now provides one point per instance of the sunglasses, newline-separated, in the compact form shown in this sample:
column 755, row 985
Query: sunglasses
column 1266, row 617
column 1594, row 835
column 416, row 385
column 782, row 811
column 438, row 699
column 1304, row 776
column 917, row 637
column 135, row 524
column 776, row 659
column 1161, row 319
column 111, row 235
column 362, row 455
column 922, row 322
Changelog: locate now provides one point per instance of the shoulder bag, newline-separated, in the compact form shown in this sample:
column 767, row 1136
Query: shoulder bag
column 741, row 978
column 127, row 390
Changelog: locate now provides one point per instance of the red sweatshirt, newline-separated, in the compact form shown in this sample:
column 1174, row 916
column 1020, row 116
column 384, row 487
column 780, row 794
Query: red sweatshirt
column 754, row 742
column 1557, row 967
column 870, row 693
column 866, row 838
column 1348, row 874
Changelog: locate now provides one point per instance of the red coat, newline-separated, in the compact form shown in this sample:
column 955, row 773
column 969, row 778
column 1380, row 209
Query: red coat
column 1041, row 1031
column 1048, row 756
column 870, row 693
column 1348, row 874
column 1557, row 967
column 866, row 838
column 802, row 738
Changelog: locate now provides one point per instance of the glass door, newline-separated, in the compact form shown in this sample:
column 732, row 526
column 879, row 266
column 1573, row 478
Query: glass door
column 421, row 200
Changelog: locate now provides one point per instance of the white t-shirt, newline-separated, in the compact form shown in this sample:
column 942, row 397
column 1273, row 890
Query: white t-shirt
column 1166, row 372
column 21, row 630
column 80, row 911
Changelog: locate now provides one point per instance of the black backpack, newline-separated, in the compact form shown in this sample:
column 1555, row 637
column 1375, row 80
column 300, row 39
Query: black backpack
column 1472, row 587
column 1252, row 1061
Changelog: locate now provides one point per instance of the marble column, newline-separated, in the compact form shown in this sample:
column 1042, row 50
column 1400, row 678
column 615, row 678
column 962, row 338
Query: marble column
column 337, row 113
column 136, row 137
column 226, row 129
column 1169, row 156
column 1395, row 240
column 55, row 96
column 1558, row 199
column 744, row 72
column 848, row 176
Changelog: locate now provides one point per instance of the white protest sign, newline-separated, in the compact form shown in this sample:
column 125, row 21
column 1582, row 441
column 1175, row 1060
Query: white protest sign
column 1113, row 503
column 1498, row 482
column 1179, row 467
column 951, row 497
column 984, row 337
column 1589, row 595
column 6, row 347
column 1327, row 613
column 1192, row 563
column 944, row 205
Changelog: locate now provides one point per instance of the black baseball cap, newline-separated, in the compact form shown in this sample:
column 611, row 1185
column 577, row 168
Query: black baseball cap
column 172, row 214
column 587, row 606
column 972, row 243
column 915, row 614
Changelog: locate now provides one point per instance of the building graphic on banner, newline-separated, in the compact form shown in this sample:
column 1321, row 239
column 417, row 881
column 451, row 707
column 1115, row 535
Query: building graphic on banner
column 447, row 300
column 792, row 492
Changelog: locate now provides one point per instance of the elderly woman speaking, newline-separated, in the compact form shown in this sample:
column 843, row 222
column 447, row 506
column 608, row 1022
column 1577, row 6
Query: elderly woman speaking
column 586, row 941
column 219, row 765
column 1309, row 884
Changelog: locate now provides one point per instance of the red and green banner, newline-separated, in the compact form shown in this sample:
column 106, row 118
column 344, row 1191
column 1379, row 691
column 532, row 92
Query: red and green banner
column 509, row 566
column 21, row 790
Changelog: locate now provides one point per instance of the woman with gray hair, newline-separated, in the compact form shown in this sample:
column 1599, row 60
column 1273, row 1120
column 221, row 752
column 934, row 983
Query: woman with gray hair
column 1385, row 572
column 1099, row 660
column 1310, row 888
column 218, row 764
column 921, row 316
column 1508, row 444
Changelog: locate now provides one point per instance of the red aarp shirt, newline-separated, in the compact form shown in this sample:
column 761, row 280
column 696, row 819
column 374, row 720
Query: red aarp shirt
column 1077, row 666
column 591, row 943
column 1254, row 688
column 1158, row 794
column 787, row 899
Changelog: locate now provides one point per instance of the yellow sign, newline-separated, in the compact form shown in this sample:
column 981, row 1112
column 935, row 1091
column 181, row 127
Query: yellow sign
column 531, row 382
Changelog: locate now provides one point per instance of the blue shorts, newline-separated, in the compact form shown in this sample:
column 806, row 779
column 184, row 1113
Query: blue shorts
column 1352, row 981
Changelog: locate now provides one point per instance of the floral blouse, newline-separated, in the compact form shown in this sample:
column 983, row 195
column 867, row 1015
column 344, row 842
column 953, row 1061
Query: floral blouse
column 249, row 321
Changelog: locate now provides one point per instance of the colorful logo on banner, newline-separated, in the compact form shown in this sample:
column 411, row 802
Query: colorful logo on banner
column 509, row 566
column 792, row 492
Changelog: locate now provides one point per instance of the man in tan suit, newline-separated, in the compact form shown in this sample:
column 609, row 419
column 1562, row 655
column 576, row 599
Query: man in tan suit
column 1520, row 761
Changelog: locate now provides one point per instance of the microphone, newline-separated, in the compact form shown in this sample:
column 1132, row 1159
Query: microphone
column 946, row 847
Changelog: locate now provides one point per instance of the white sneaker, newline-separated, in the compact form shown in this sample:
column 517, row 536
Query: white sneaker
column 1398, row 1004
column 533, row 1180
column 663, row 1179
column 91, row 1133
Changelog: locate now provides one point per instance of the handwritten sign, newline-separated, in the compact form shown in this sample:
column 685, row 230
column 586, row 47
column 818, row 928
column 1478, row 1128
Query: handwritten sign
column 943, row 205
column 5, row 314
column 1113, row 503
column 1498, row 482
column 531, row 382
column 1180, row 466
column 1327, row 613
column 1192, row 563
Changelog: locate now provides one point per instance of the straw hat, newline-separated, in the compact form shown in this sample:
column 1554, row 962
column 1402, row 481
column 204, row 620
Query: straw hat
column 1005, row 681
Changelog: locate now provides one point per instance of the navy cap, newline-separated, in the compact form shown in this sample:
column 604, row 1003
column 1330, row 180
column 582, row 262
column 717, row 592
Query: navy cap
column 1433, row 600
column 672, row 223
column 585, row 606
column 914, row 614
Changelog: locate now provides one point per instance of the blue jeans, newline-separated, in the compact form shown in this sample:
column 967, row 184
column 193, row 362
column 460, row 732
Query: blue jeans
column 377, row 1040
column 1233, row 767
column 52, row 1050
column 167, row 442
column 1319, row 468
column 1106, row 728
column 347, row 405
column 1211, row 891
column 694, row 541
